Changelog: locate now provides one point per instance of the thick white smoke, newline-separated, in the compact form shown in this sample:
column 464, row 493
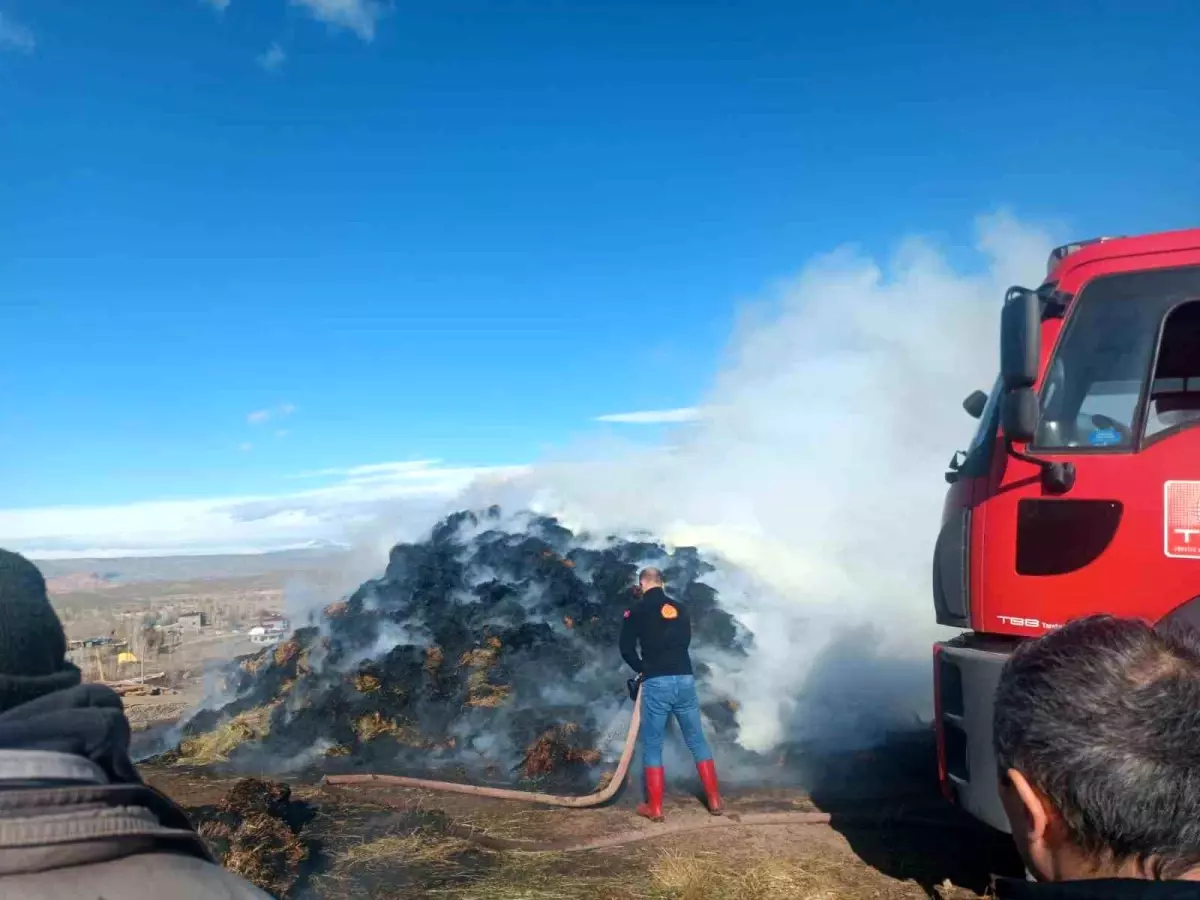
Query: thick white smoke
column 817, row 467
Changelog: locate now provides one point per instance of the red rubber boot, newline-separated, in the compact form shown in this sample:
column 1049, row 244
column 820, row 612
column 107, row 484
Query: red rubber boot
column 712, row 791
column 655, row 784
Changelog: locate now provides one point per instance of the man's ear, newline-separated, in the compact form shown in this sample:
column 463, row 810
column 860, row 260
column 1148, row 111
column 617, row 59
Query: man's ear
column 1038, row 814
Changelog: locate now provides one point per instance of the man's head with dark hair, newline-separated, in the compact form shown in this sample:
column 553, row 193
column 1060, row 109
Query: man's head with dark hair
column 1097, row 737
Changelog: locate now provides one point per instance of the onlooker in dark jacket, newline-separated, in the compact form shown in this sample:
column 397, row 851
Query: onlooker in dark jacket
column 660, row 626
column 1097, row 737
column 76, row 820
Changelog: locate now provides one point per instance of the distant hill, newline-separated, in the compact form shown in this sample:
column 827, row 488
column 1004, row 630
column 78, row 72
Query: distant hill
column 65, row 575
column 80, row 581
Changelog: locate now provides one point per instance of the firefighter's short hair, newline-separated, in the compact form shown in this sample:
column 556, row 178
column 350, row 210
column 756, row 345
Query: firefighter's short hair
column 651, row 576
column 1103, row 717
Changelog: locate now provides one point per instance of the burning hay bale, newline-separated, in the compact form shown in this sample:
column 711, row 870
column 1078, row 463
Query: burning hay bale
column 366, row 683
column 286, row 652
column 372, row 726
column 434, row 657
column 563, row 745
column 251, row 664
column 216, row 745
column 253, row 831
column 470, row 652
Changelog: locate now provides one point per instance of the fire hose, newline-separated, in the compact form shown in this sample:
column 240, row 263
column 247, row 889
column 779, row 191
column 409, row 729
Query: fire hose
column 596, row 798
column 602, row 796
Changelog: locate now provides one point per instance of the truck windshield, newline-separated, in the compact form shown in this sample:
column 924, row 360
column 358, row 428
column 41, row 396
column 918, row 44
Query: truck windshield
column 1094, row 395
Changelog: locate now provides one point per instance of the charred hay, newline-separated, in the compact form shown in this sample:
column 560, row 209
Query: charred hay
column 490, row 646
column 255, row 831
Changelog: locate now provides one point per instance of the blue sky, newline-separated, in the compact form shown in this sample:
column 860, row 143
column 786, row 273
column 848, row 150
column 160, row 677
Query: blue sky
column 463, row 231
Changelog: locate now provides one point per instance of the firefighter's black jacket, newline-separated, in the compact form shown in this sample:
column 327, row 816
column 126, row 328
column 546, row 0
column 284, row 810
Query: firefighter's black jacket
column 662, row 628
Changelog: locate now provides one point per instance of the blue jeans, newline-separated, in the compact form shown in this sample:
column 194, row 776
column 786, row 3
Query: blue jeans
column 662, row 697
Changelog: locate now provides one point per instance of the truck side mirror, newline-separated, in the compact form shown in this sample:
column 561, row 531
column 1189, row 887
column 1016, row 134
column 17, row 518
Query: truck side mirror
column 1020, row 338
column 975, row 403
column 1019, row 414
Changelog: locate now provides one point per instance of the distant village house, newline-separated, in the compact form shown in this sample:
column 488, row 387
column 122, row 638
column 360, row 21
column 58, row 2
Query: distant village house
column 195, row 620
column 270, row 631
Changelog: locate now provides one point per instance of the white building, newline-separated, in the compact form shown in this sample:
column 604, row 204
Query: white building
column 260, row 635
column 271, row 631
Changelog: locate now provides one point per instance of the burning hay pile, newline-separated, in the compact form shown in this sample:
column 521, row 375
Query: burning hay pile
column 490, row 649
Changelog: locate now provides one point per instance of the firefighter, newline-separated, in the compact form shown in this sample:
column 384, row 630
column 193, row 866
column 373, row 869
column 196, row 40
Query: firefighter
column 659, row 626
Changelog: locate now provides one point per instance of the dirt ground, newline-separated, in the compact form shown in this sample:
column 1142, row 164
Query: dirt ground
column 891, row 837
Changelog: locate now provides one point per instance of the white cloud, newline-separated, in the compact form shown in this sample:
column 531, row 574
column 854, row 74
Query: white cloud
column 359, row 16
column 271, row 60
column 259, row 416
column 15, row 36
column 363, row 497
column 654, row 416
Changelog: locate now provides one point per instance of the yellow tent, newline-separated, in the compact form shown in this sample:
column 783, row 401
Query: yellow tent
column 126, row 657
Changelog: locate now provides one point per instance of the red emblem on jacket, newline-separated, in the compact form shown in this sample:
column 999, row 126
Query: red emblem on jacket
column 627, row 612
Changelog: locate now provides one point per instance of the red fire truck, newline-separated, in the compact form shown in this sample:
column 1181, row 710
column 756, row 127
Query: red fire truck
column 1080, row 492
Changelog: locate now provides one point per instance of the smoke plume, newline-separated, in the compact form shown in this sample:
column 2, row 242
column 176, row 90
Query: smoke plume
column 816, row 467
column 809, row 476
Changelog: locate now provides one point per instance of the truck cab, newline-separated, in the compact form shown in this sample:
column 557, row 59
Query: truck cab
column 1080, row 491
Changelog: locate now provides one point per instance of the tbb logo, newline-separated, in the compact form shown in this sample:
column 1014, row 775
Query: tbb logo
column 1181, row 512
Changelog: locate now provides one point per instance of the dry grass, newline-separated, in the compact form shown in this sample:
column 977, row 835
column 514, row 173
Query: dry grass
column 694, row 876
column 553, row 876
column 679, row 875
column 216, row 745
column 672, row 875
column 414, row 848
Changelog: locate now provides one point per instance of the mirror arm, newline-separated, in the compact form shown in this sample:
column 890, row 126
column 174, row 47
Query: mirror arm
column 1057, row 477
column 952, row 470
